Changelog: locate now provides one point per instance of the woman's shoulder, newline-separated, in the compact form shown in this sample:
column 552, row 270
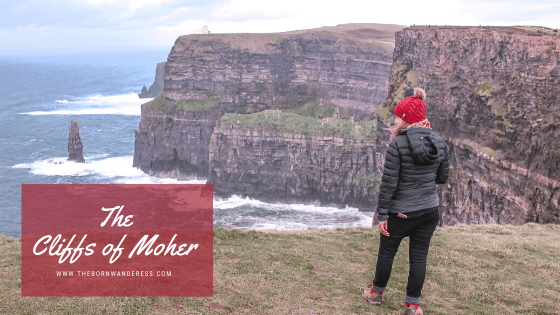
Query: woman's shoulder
column 438, row 138
column 399, row 140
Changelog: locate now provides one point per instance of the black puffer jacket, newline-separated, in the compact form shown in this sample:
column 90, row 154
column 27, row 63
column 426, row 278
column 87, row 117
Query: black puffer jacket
column 416, row 160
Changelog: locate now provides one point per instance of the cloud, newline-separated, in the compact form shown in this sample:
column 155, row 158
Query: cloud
column 504, row 13
column 287, row 15
column 29, row 26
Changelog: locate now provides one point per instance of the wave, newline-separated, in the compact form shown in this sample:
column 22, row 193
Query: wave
column 237, row 201
column 232, row 212
column 125, row 104
column 116, row 170
column 247, row 213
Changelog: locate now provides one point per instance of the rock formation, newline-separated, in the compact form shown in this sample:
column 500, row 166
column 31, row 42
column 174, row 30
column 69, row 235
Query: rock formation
column 75, row 146
column 175, row 144
column 272, row 165
column 346, row 65
column 493, row 95
column 157, row 87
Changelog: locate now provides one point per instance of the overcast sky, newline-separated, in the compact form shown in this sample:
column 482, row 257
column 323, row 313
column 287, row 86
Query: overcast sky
column 63, row 26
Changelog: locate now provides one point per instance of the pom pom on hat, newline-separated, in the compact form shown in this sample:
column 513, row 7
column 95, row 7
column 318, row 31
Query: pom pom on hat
column 412, row 109
column 419, row 93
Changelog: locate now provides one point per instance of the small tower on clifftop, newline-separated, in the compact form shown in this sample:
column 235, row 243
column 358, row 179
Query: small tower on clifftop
column 75, row 146
column 205, row 30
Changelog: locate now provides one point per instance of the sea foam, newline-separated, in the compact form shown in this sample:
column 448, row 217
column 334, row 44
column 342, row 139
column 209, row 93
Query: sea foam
column 112, row 170
column 233, row 212
column 248, row 213
column 125, row 104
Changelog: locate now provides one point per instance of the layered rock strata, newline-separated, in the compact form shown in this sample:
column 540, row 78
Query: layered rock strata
column 346, row 65
column 493, row 94
column 269, row 164
column 175, row 144
column 75, row 145
column 157, row 87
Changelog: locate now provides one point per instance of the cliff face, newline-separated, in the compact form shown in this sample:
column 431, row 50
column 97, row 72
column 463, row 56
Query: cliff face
column 157, row 87
column 493, row 95
column 269, row 164
column 346, row 65
column 175, row 144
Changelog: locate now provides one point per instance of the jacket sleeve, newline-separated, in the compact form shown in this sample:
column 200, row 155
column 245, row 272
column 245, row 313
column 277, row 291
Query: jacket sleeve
column 443, row 170
column 389, row 180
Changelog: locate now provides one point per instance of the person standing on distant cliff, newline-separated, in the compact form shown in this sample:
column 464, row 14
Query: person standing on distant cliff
column 416, row 160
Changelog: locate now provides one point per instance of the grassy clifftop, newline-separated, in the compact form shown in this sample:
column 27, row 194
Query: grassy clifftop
column 160, row 105
column 477, row 269
column 308, row 119
column 377, row 35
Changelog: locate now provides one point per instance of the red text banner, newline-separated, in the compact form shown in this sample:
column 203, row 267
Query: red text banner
column 117, row 240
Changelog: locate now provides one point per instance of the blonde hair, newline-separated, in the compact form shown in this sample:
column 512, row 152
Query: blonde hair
column 396, row 128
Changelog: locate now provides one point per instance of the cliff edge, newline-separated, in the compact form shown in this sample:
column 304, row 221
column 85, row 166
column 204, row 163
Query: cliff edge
column 493, row 94
column 343, row 68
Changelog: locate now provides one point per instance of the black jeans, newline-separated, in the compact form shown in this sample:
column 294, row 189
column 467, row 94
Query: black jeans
column 419, row 226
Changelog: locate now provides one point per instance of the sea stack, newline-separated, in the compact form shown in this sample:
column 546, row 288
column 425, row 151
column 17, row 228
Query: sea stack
column 75, row 146
column 157, row 87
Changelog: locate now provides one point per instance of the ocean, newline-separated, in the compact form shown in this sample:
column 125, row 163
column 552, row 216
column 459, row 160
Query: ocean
column 40, row 95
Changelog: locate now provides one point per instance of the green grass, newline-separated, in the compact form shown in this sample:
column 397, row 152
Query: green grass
column 501, row 111
column 407, row 80
column 381, row 36
column 298, row 124
column 397, row 66
column 478, row 147
column 493, row 153
column 309, row 109
column 485, row 89
column 370, row 180
column 160, row 105
column 197, row 105
column 477, row 269
column 383, row 112
column 537, row 28
column 412, row 79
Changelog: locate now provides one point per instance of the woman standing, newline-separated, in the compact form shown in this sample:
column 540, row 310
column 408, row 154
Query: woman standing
column 416, row 160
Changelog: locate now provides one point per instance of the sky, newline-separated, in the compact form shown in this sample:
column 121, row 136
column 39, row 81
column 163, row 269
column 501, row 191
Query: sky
column 61, row 26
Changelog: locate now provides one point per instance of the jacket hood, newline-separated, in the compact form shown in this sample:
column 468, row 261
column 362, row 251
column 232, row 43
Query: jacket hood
column 422, row 142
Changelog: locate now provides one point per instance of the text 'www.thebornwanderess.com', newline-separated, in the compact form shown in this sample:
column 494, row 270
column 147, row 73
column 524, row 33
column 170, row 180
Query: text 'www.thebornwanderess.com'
column 113, row 273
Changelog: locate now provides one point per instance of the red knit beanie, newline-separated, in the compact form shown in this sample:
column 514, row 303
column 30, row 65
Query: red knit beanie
column 412, row 109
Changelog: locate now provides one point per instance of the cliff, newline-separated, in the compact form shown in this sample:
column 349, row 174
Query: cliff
column 175, row 144
column 295, row 117
column 207, row 76
column 270, row 162
column 493, row 94
column 157, row 87
column 346, row 65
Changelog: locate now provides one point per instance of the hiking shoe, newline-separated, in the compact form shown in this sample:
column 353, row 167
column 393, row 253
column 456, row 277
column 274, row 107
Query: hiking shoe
column 371, row 296
column 413, row 309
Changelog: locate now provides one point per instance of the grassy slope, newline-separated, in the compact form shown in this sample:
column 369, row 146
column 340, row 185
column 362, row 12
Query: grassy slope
column 160, row 105
column 377, row 35
column 306, row 120
column 478, row 269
